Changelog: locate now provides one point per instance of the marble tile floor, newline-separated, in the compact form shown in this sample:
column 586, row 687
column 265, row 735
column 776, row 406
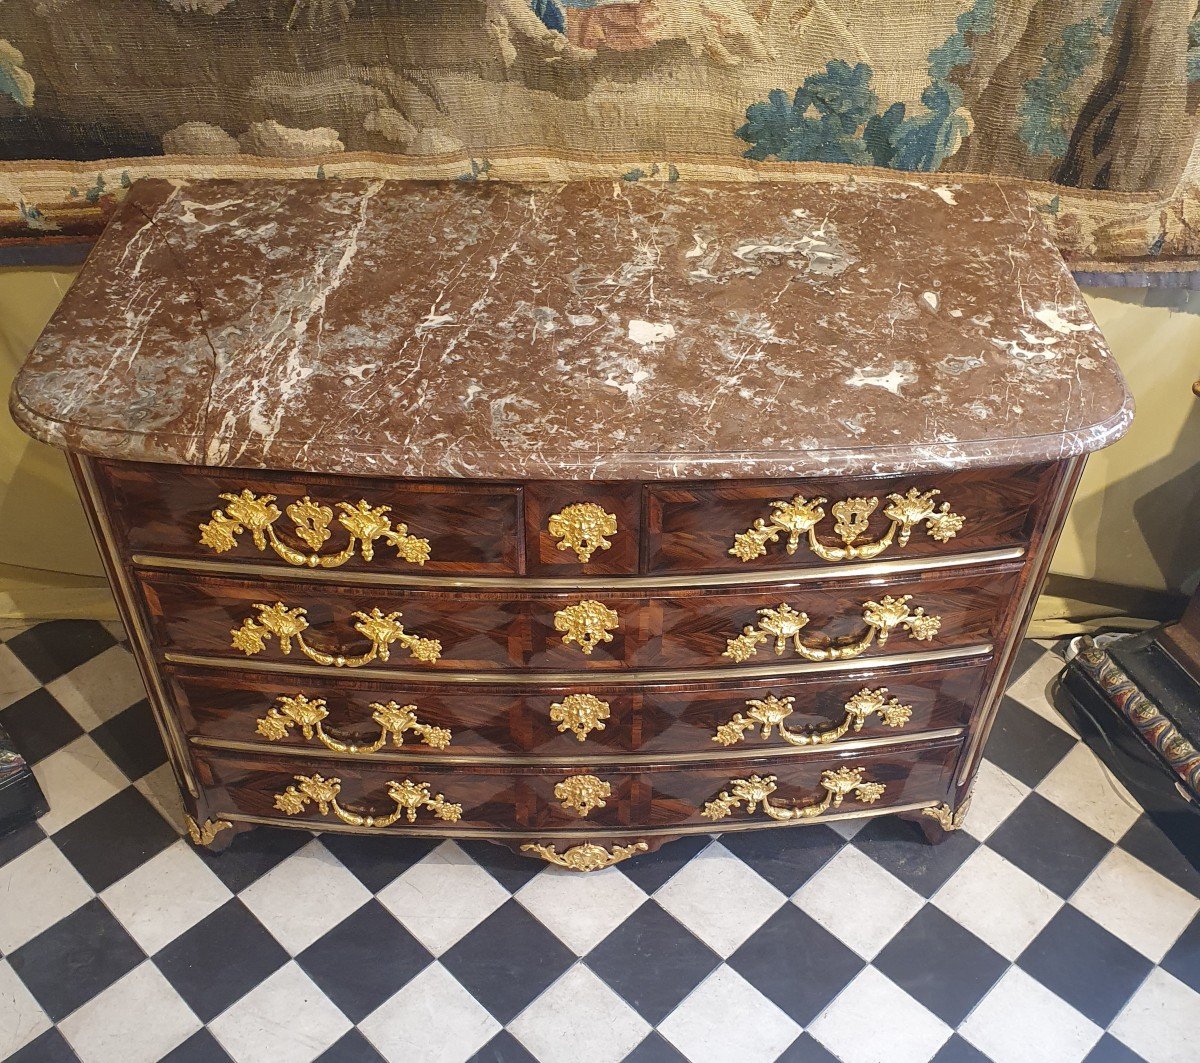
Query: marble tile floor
column 1058, row 926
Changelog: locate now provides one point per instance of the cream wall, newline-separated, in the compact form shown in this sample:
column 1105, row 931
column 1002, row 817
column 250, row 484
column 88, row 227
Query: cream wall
column 1131, row 546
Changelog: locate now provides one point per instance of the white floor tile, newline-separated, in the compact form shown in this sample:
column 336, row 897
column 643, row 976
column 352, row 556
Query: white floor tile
column 286, row 1019
column 1159, row 1022
column 582, row 910
column 165, row 896
column 726, row 1020
column 1136, row 903
column 161, row 790
column 75, row 779
column 1032, row 690
column 994, row 796
column 98, row 689
column 21, row 1017
column 873, row 1020
column 37, row 889
column 1021, row 1021
column 998, row 902
column 305, row 896
column 16, row 681
column 432, row 1019
column 580, row 1019
column 719, row 898
column 1081, row 785
column 858, row 901
column 137, row 1019
column 443, row 897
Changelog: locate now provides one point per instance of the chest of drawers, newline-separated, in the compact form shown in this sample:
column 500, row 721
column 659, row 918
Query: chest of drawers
column 578, row 518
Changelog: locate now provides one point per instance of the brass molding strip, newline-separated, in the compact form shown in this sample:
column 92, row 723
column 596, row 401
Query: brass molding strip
column 572, row 584
column 442, row 831
column 416, row 761
column 597, row 678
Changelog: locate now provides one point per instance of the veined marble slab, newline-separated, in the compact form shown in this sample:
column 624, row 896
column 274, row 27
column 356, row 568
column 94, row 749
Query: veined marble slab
column 627, row 330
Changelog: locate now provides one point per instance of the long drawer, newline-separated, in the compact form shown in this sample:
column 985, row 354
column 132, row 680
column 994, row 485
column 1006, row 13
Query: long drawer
column 343, row 626
column 282, row 520
column 368, row 720
column 713, row 795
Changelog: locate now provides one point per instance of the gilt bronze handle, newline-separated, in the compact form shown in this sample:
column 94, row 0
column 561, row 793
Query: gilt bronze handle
column 288, row 625
column 257, row 514
column 770, row 713
column 309, row 715
column 784, row 624
column 755, row 792
column 801, row 516
column 409, row 797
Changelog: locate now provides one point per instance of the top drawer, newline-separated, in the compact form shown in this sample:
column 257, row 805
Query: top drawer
column 573, row 530
column 427, row 527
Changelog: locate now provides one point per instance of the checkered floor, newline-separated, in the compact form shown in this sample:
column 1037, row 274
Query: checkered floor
column 1058, row 926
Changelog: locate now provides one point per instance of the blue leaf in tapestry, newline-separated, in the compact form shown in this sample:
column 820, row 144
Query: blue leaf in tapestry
column 551, row 13
column 823, row 122
column 925, row 141
column 955, row 51
column 1046, row 108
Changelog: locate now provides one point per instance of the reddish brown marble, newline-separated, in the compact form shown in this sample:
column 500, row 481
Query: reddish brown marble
column 663, row 331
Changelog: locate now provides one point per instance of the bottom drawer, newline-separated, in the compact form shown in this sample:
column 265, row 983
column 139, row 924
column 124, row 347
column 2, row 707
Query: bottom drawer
column 718, row 795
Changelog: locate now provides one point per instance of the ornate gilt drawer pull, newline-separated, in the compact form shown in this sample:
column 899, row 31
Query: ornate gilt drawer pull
column 394, row 720
column 757, row 790
column 586, row 857
column 581, row 713
column 784, row 624
column 771, row 712
column 800, row 516
column 582, row 793
column 408, row 796
column 287, row 625
column 582, row 527
column 257, row 514
column 586, row 623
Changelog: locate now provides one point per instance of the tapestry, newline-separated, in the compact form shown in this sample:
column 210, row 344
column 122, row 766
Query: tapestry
column 1090, row 105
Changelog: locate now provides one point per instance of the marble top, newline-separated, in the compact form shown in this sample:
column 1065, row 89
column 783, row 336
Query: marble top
column 590, row 330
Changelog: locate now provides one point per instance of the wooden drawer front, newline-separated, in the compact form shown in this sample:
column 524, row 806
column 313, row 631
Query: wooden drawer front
column 159, row 509
column 693, row 527
column 475, row 797
column 490, row 631
column 567, row 527
column 380, row 720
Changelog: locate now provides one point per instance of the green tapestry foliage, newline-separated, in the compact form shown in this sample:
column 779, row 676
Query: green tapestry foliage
column 1048, row 104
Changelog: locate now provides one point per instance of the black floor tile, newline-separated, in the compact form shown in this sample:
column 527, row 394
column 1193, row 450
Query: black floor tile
column 19, row 840
column 655, row 1049
column 507, row 960
column 807, row 1049
column 50, row 1047
column 510, row 869
column 1183, row 958
column 898, row 845
column 131, row 740
column 80, row 956
column 941, row 964
column 956, row 1050
column 253, row 854
column 653, row 961
column 201, row 1047
column 1025, row 745
column 1083, row 963
column 115, row 838
column 1145, row 841
column 767, row 960
column 220, row 959
column 53, row 649
column 378, row 862
column 1049, row 844
column 364, row 960
column 1109, row 1050
column 352, row 1047
column 503, row 1048
column 652, row 870
column 39, row 725
column 786, row 859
